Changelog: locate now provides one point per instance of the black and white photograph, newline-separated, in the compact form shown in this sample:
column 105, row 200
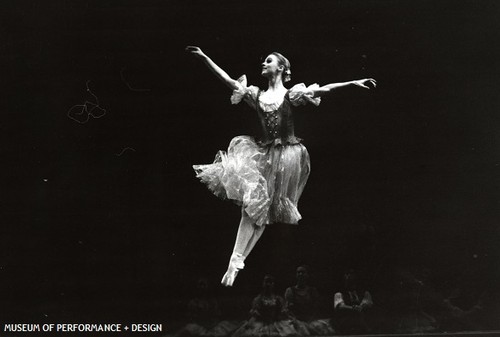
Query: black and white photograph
column 250, row 168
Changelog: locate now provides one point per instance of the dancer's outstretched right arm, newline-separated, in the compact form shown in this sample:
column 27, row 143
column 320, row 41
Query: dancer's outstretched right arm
column 218, row 71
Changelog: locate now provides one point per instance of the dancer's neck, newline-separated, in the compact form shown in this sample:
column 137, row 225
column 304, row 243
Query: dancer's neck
column 275, row 84
column 268, row 293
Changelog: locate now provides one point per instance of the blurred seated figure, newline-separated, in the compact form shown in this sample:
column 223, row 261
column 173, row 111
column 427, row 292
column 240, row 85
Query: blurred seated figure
column 267, row 316
column 204, row 314
column 351, row 306
column 463, row 310
column 415, row 301
column 301, row 304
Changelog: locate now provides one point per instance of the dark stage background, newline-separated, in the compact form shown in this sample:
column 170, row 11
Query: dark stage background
column 104, row 219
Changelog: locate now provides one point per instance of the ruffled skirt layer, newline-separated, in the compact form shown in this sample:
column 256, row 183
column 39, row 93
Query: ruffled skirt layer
column 221, row 329
column 256, row 328
column 319, row 327
column 266, row 180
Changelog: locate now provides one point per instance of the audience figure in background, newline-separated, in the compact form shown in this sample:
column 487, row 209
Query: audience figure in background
column 204, row 315
column 415, row 302
column 463, row 310
column 267, row 316
column 351, row 306
column 301, row 304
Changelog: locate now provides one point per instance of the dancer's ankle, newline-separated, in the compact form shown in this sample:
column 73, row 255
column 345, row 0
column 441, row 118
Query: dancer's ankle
column 237, row 261
column 235, row 264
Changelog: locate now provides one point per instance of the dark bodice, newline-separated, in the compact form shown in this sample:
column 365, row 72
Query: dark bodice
column 268, row 308
column 302, row 303
column 276, row 118
column 277, row 125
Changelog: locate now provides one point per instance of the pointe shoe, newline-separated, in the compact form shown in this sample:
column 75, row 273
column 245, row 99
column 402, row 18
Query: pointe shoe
column 235, row 264
column 229, row 277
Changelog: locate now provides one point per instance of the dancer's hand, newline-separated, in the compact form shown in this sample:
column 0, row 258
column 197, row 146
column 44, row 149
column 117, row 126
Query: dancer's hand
column 255, row 313
column 357, row 308
column 366, row 83
column 196, row 51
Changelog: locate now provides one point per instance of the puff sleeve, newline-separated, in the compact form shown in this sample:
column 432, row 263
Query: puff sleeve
column 299, row 94
column 244, row 92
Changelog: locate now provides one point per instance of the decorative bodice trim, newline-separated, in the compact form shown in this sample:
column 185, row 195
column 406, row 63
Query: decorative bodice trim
column 276, row 118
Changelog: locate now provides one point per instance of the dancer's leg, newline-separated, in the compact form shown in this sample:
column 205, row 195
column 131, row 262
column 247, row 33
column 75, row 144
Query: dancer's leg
column 247, row 237
column 257, row 233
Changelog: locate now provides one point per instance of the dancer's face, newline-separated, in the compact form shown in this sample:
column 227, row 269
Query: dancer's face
column 350, row 280
column 268, row 283
column 270, row 66
column 302, row 275
column 202, row 286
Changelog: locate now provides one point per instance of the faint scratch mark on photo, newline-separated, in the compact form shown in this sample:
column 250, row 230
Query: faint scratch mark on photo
column 123, row 151
column 81, row 112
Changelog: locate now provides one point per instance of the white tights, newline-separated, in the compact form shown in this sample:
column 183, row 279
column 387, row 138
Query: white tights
column 248, row 235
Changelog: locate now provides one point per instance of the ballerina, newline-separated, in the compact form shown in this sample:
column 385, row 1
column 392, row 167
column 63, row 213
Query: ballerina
column 268, row 318
column 267, row 175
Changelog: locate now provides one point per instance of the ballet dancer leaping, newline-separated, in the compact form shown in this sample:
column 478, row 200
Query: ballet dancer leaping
column 266, row 176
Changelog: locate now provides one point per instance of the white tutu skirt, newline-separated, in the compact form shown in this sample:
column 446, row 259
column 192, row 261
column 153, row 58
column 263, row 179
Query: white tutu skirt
column 267, row 180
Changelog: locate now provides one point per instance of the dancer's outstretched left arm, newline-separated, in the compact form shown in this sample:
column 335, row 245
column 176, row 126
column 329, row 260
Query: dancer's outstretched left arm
column 366, row 83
